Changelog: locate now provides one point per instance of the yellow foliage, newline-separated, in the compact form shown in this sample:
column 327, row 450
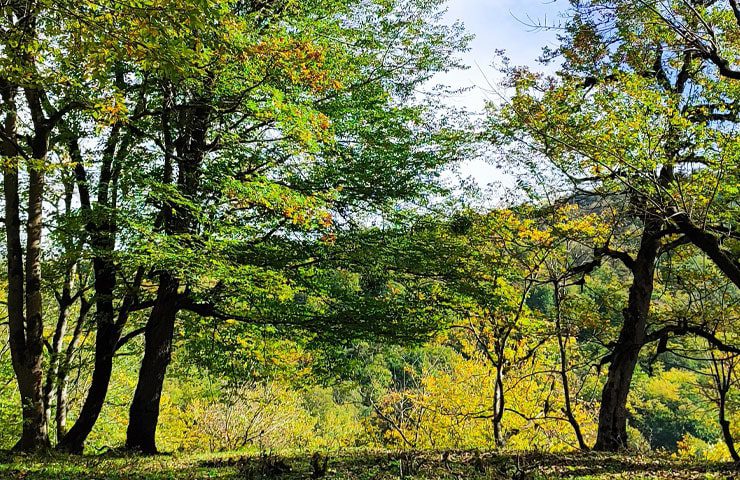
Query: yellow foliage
column 453, row 408
column 667, row 385
column 697, row 449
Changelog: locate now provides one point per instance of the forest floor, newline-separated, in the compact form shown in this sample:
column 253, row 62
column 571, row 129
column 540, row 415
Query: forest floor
column 361, row 466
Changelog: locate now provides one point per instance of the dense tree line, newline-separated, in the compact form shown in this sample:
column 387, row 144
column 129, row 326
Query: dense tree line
column 206, row 152
column 640, row 122
column 252, row 181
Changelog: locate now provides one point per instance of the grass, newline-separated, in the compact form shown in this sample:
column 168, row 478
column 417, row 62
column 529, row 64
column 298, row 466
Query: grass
column 360, row 466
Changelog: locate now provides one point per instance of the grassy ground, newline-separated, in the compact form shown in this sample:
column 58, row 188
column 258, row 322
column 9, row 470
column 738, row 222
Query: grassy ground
column 360, row 466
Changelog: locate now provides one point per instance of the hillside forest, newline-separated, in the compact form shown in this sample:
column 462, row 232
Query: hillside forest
column 249, row 226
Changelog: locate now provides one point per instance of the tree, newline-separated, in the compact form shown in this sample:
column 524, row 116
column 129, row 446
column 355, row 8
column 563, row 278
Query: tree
column 620, row 128
column 488, row 267
column 724, row 376
column 273, row 159
column 25, row 146
column 137, row 48
column 201, row 149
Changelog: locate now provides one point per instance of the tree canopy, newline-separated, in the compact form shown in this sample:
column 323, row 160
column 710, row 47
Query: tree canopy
column 237, row 223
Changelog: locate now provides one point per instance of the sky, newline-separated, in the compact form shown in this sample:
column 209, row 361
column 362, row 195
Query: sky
column 500, row 25
column 497, row 25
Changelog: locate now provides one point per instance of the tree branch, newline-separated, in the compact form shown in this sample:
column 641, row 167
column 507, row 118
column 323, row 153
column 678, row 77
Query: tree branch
column 684, row 329
column 128, row 337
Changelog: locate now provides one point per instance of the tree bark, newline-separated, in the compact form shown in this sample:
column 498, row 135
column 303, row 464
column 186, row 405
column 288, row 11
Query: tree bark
column 106, row 338
column 101, row 228
column 725, row 424
column 106, row 344
column 568, row 407
column 612, row 428
column 25, row 326
column 177, row 219
column 144, row 411
column 26, row 362
column 34, row 303
column 499, row 406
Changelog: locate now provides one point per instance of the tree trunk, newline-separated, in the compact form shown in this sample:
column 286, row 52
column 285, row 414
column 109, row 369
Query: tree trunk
column 144, row 411
column 725, row 424
column 177, row 219
column 106, row 344
column 106, row 339
column 63, row 371
column 101, row 229
column 74, row 440
column 34, row 410
column 25, row 334
column 25, row 327
column 499, row 406
column 612, row 429
column 722, row 375
column 568, row 407
column 26, row 341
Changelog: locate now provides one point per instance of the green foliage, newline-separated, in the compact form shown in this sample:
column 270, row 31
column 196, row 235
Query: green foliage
column 8, row 404
column 368, row 466
column 276, row 163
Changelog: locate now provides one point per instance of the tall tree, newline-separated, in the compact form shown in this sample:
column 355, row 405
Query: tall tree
column 635, row 129
column 302, row 121
column 27, row 76
column 141, row 46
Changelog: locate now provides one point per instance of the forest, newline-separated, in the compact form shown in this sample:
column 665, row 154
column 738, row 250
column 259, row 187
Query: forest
column 240, row 240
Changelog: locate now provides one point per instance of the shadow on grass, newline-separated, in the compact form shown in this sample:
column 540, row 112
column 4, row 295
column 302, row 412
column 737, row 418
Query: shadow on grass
column 113, row 465
column 478, row 465
column 360, row 465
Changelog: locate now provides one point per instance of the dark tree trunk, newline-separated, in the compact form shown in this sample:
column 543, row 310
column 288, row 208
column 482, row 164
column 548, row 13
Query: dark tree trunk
column 499, row 407
column 106, row 338
column 34, row 306
column 101, row 231
column 25, row 326
column 177, row 219
column 725, row 424
column 63, row 371
column 612, row 428
column 101, row 228
column 144, row 411
column 568, row 407
column 26, row 341
column 14, row 261
column 722, row 375
column 74, row 439
column 106, row 344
